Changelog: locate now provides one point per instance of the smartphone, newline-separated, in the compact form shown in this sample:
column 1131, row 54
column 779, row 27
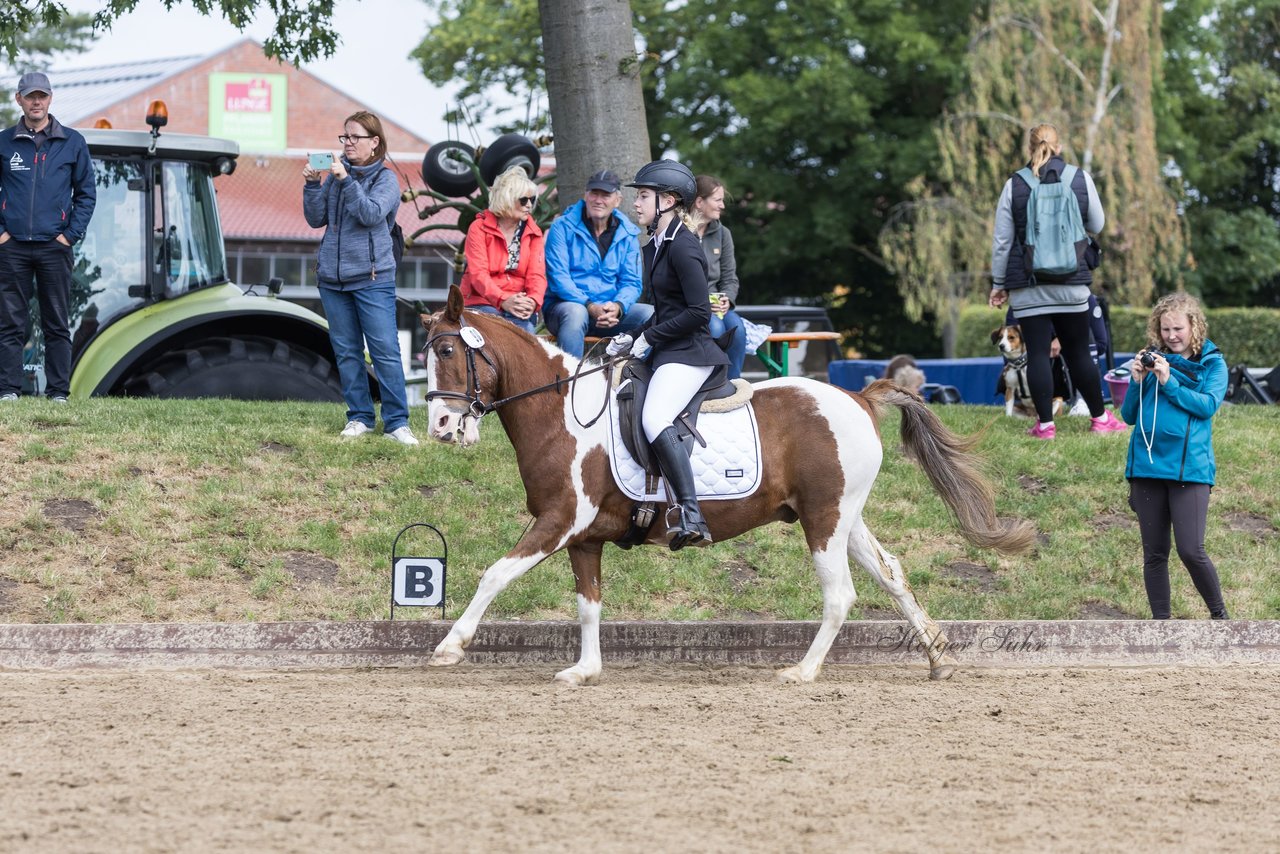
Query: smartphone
column 321, row 161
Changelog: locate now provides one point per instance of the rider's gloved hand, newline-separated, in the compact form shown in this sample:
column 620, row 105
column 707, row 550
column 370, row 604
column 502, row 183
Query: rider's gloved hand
column 641, row 348
column 618, row 345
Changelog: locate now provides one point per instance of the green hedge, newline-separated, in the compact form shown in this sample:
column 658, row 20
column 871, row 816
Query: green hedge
column 1249, row 336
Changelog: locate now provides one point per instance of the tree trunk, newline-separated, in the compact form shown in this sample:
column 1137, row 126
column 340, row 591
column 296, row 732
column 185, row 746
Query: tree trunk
column 593, row 91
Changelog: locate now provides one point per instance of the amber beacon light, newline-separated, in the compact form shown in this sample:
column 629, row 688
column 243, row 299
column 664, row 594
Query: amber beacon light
column 157, row 117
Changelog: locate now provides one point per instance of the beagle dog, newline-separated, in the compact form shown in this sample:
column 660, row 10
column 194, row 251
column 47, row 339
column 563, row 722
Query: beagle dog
column 1013, row 382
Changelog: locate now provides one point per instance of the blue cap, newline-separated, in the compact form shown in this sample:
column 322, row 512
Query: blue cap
column 34, row 81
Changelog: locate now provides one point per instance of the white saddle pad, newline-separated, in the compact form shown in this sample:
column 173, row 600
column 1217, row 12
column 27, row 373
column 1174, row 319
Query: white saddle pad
column 729, row 467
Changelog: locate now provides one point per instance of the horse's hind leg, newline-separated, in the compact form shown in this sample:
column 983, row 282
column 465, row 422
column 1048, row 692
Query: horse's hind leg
column 887, row 571
column 585, row 558
column 838, row 596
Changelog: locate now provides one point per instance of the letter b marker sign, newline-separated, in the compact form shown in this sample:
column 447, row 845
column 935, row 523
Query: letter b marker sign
column 418, row 582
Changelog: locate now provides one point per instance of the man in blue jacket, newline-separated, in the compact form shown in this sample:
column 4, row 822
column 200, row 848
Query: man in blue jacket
column 593, row 269
column 47, row 196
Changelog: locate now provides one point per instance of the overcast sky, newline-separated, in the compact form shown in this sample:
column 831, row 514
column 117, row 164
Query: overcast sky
column 371, row 64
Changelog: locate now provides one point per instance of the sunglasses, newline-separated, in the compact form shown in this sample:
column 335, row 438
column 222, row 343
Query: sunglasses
column 527, row 200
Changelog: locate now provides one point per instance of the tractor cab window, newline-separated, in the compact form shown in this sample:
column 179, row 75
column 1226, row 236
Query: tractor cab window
column 187, row 243
column 109, row 275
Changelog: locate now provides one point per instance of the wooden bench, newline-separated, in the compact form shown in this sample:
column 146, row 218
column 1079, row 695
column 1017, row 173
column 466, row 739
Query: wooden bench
column 776, row 349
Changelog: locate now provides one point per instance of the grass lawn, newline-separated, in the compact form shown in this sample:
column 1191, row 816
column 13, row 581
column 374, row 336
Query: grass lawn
column 187, row 511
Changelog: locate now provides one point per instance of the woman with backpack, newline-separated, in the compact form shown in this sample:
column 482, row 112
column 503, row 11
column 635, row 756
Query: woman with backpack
column 1042, row 265
column 356, row 272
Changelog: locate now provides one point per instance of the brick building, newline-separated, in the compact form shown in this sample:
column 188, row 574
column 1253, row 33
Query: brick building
column 278, row 114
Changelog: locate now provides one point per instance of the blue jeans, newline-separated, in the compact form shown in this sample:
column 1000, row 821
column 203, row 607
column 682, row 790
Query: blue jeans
column 356, row 318
column 570, row 323
column 530, row 325
column 737, row 351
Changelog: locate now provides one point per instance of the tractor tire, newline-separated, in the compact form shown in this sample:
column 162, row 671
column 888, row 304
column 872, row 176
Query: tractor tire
column 446, row 174
column 241, row 368
column 510, row 149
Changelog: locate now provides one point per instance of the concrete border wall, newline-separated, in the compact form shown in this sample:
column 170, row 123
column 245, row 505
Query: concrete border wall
column 314, row 645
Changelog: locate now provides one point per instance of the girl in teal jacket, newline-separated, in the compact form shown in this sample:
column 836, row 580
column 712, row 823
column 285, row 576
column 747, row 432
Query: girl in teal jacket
column 1171, row 402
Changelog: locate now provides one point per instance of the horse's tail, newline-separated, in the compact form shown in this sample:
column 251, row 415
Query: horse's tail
column 948, row 461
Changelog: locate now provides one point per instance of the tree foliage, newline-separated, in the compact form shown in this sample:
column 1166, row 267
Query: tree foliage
column 38, row 43
column 1089, row 70
column 815, row 137
column 814, row 114
column 303, row 30
column 484, row 46
column 1219, row 121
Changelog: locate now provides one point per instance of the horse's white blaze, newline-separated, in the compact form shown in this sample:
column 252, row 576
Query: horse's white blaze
column 588, row 666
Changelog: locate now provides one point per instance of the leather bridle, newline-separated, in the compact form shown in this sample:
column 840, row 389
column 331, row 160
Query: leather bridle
column 476, row 407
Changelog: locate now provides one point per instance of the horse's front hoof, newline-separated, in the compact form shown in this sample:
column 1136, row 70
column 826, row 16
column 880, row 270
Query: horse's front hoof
column 944, row 669
column 575, row 676
column 446, row 656
column 795, row 675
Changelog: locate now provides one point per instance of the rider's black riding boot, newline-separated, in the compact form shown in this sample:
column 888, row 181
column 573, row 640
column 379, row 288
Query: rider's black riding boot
column 689, row 529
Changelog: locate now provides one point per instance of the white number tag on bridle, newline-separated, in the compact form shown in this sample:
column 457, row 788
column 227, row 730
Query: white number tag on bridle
column 471, row 337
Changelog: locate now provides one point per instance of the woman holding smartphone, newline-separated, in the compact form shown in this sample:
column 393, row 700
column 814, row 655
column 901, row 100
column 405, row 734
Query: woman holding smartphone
column 356, row 271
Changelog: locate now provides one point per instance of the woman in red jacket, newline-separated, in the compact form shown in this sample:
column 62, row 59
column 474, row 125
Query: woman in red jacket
column 506, row 269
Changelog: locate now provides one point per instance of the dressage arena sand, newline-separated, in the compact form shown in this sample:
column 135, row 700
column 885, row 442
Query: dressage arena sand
column 655, row 758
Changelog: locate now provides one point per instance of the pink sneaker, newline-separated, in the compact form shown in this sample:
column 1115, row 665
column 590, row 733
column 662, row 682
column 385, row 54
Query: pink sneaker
column 1043, row 431
column 1108, row 423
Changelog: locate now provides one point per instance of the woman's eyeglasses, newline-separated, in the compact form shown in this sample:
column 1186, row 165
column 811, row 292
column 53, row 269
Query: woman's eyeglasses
column 348, row 138
column 527, row 200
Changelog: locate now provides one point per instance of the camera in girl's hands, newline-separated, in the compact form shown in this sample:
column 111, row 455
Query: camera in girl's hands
column 1148, row 359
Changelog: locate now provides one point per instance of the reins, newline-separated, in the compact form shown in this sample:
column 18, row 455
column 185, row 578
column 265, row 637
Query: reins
column 476, row 406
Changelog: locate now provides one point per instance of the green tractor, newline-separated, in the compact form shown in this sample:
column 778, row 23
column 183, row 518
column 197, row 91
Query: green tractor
column 153, row 313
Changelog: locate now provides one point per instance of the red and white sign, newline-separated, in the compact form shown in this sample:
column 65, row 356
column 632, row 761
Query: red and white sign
column 251, row 96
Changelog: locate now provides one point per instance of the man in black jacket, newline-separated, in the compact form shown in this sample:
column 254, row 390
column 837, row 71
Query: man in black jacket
column 47, row 196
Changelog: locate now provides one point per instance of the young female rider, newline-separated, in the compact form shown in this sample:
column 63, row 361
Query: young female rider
column 676, row 341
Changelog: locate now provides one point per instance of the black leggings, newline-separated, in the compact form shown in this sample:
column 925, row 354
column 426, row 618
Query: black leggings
column 1072, row 332
column 1161, row 504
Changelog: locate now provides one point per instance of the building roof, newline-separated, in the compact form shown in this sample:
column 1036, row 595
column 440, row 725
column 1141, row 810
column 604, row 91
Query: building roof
column 80, row 93
column 262, row 200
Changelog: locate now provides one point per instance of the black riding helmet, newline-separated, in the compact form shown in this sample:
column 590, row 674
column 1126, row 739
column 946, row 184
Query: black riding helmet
column 667, row 176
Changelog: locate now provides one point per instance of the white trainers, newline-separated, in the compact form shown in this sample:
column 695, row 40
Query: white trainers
column 403, row 435
column 354, row 429
column 5, row 398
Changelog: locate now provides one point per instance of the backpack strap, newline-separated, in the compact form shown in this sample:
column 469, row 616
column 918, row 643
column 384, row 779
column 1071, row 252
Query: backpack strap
column 1030, row 177
column 1069, row 174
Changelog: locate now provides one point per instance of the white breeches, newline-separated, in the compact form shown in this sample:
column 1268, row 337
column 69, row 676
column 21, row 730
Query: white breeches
column 672, row 387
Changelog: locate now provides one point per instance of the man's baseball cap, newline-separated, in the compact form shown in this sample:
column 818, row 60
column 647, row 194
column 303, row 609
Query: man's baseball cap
column 605, row 181
column 34, row 81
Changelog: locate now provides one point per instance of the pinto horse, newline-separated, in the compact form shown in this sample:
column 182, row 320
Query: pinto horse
column 821, row 451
